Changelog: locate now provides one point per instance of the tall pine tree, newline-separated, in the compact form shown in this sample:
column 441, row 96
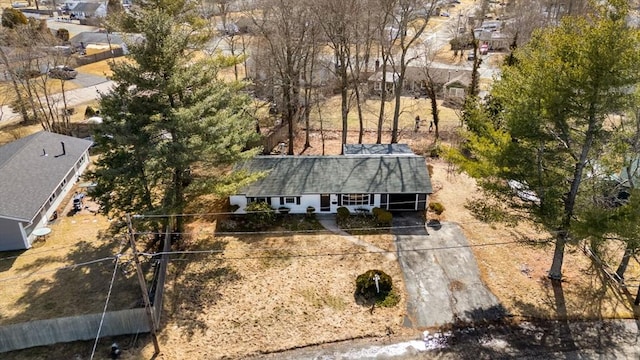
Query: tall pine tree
column 170, row 125
column 554, row 103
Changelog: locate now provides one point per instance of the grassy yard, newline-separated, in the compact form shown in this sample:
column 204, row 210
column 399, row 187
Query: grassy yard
column 42, row 282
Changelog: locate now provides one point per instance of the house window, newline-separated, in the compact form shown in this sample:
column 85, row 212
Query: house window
column 456, row 92
column 53, row 197
column 355, row 199
column 291, row 200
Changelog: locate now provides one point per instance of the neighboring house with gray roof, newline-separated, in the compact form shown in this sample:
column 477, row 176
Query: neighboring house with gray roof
column 86, row 10
column 397, row 182
column 36, row 172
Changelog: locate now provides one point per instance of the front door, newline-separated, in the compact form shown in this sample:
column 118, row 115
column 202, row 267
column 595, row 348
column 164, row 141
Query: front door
column 325, row 202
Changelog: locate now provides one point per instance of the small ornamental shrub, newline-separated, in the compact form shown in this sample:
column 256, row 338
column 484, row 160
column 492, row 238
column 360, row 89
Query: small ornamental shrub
column 310, row 211
column 343, row 213
column 384, row 217
column 13, row 17
column 62, row 34
column 367, row 290
column 234, row 208
column 436, row 207
column 375, row 211
column 260, row 214
column 89, row 112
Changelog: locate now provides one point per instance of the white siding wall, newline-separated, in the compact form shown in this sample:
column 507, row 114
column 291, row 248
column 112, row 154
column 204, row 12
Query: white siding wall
column 11, row 235
column 73, row 175
column 305, row 201
column 239, row 200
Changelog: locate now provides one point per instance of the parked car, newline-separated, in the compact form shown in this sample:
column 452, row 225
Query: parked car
column 62, row 72
column 471, row 56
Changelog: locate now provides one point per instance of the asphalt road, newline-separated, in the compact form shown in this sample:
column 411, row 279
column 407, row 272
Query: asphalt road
column 603, row 339
column 441, row 275
column 93, row 86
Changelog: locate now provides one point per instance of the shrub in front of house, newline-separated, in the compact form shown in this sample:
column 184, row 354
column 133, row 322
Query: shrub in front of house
column 89, row 112
column 436, row 207
column 343, row 213
column 260, row 215
column 384, row 217
column 375, row 287
column 310, row 211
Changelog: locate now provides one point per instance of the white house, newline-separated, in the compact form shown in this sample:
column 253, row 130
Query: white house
column 36, row 172
column 364, row 178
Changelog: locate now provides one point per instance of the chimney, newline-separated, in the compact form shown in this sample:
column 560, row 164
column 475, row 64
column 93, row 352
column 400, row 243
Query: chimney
column 63, row 150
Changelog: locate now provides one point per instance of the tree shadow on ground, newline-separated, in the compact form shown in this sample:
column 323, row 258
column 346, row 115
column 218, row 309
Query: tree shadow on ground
column 8, row 258
column 197, row 282
column 493, row 335
column 75, row 284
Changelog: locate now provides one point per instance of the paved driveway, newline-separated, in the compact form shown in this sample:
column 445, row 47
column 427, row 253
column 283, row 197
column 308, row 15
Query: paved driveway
column 441, row 274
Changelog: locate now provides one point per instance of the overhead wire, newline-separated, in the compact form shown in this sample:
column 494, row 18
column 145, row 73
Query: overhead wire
column 106, row 304
column 65, row 267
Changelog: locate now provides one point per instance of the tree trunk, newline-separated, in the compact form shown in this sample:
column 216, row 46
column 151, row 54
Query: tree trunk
column 570, row 201
column 383, row 97
column 20, row 101
column 360, row 115
column 344, row 95
column 434, row 109
column 555, row 273
column 622, row 268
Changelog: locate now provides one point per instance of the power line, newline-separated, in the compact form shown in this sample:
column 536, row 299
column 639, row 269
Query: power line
column 220, row 251
column 106, row 303
column 71, row 266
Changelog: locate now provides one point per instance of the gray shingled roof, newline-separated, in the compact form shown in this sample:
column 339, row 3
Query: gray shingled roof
column 376, row 149
column 85, row 7
column 28, row 178
column 298, row 175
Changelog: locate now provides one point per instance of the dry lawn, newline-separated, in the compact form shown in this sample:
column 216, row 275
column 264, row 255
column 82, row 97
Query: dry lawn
column 271, row 292
column 42, row 282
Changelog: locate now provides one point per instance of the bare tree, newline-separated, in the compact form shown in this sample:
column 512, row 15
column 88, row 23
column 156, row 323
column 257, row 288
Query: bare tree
column 411, row 18
column 26, row 54
column 284, row 25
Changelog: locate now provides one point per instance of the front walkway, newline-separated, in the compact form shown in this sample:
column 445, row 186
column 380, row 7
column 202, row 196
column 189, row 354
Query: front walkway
column 329, row 223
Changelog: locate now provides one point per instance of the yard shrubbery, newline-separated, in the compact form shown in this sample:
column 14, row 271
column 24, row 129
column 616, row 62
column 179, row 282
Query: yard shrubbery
column 260, row 217
column 364, row 222
column 375, row 287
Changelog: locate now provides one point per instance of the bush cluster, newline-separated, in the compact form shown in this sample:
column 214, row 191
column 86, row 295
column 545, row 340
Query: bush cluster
column 89, row 112
column 343, row 213
column 436, row 207
column 382, row 294
column 260, row 214
column 383, row 217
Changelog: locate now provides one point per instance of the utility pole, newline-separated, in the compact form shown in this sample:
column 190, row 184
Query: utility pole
column 143, row 288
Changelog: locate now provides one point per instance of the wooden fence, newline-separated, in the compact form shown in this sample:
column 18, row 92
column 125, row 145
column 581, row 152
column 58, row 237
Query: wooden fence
column 72, row 328
column 90, row 59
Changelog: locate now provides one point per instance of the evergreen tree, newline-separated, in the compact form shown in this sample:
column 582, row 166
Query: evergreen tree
column 170, row 125
column 554, row 102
